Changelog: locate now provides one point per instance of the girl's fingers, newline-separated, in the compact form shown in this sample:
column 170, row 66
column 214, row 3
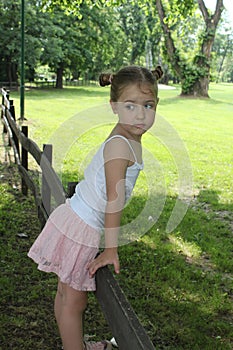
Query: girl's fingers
column 117, row 267
column 93, row 266
column 101, row 261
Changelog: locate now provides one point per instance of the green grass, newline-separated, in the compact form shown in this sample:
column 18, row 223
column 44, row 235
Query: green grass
column 179, row 282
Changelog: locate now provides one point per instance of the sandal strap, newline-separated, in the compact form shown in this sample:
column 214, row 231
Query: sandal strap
column 100, row 345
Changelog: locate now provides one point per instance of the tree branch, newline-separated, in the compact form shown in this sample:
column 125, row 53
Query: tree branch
column 204, row 10
column 211, row 23
column 218, row 11
column 214, row 19
column 172, row 51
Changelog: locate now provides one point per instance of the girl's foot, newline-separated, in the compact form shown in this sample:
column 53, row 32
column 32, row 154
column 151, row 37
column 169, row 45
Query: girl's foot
column 100, row 345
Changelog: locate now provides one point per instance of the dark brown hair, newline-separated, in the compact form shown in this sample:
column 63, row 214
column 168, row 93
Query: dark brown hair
column 130, row 75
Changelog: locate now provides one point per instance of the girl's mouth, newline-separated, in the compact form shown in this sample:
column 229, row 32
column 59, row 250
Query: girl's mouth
column 140, row 126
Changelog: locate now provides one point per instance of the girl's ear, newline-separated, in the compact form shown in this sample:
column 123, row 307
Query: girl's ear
column 114, row 107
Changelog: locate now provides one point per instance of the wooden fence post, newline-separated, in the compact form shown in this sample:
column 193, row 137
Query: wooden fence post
column 24, row 160
column 71, row 188
column 45, row 190
column 12, row 112
column 5, row 95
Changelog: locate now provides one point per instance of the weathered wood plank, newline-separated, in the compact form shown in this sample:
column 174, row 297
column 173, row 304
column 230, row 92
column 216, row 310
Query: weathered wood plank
column 53, row 181
column 5, row 98
column 49, row 173
column 42, row 215
column 24, row 160
column 27, row 143
column 45, row 188
column 11, row 139
column 122, row 320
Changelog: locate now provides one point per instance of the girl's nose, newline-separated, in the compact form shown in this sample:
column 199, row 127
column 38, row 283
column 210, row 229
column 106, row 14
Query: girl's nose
column 140, row 112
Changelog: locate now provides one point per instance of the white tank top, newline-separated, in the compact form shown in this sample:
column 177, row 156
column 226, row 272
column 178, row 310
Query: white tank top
column 89, row 200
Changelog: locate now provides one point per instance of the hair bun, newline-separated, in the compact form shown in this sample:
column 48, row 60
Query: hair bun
column 105, row 79
column 158, row 72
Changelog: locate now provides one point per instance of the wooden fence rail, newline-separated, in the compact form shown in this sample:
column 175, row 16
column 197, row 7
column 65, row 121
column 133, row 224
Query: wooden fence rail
column 11, row 85
column 122, row 320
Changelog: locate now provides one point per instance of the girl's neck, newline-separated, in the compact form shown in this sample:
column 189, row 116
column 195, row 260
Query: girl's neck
column 119, row 130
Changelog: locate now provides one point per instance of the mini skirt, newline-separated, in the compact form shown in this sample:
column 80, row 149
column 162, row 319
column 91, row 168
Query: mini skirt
column 65, row 246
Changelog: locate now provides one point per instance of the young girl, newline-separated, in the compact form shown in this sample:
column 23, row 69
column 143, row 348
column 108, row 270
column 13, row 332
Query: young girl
column 70, row 240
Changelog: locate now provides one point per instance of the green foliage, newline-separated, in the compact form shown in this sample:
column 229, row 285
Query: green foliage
column 190, row 77
column 75, row 6
column 82, row 38
column 134, row 25
column 179, row 13
column 9, row 32
column 222, row 56
column 184, row 7
column 196, row 84
column 193, row 73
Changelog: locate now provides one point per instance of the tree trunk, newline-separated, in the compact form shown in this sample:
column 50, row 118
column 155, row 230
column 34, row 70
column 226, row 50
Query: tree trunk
column 8, row 70
column 201, row 87
column 172, row 52
column 223, row 57
column 14, row 74
column 194, row 78
column 59, row 80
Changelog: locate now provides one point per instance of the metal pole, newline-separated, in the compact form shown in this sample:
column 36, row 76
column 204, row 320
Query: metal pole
column 22, row 61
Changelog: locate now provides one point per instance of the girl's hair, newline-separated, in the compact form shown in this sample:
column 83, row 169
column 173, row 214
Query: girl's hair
column 130, row 75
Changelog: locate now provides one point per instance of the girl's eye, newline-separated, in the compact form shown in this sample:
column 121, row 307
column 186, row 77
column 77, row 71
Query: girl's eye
column 149, row 106
column 130, row 107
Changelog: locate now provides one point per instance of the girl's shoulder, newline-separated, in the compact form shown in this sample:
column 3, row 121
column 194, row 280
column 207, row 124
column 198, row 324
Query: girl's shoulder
column 117, row 138
column 118, row 146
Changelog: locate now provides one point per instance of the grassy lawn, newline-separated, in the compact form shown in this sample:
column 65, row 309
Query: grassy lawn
column 180, row 282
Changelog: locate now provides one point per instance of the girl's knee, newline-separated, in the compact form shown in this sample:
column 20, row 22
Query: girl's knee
column 71, row 298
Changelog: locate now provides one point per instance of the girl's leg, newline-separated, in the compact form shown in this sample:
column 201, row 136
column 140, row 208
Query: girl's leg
column 69, row 307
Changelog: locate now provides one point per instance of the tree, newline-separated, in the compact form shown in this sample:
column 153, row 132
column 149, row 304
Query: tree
column 86, row 37
column 36, row 24
column 153, row 44
column 60, row 43
column 133, row 22
column 84, row 43
column 10, row 44
column 222, row 53
column 194, row 75
column 103, row 33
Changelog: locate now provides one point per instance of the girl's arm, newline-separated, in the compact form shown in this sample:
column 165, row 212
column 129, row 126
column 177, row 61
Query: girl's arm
column 116, row 155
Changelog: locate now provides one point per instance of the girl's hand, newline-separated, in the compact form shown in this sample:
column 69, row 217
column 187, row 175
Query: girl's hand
column 108, row 257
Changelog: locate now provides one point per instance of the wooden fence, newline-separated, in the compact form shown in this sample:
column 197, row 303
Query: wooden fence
column 122, row 320
column 11, row 85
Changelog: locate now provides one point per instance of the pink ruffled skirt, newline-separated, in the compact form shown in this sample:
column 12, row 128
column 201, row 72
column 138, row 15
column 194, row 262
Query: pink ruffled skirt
column 65, row 246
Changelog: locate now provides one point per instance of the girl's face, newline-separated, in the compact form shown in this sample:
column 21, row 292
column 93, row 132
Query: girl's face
column 136, row 109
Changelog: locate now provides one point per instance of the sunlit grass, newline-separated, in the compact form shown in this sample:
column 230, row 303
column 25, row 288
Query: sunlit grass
column 180, row 246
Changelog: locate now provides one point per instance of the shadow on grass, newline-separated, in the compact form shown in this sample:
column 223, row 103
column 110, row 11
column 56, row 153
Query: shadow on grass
column 179, row 283
column 26, row 307
column 178, row 99
column 67, row 92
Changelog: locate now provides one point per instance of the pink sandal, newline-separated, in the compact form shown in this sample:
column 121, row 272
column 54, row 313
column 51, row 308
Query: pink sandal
column 100, row 345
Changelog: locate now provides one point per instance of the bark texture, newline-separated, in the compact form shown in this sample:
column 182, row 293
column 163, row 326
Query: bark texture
column 194, row 78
